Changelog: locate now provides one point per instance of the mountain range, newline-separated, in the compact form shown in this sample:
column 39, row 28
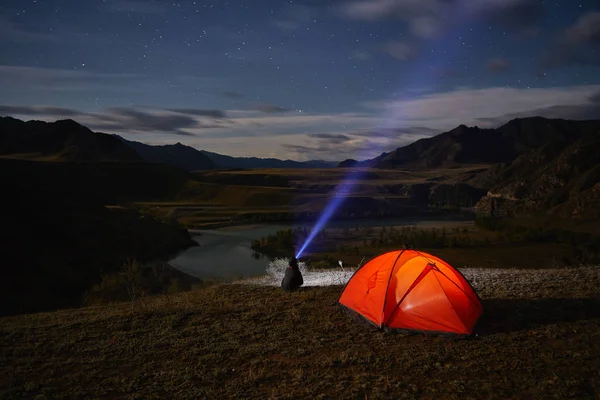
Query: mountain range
column 473, row 145
column 66, row 140
column 532, row 164
column 191, row 159
column 528, row 164
column 63, row 140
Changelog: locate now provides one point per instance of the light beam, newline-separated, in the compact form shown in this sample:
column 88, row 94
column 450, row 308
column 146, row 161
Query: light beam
column 417, row 74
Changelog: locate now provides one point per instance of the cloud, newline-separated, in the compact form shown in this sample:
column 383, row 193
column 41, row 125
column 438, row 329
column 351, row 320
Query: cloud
column 232, row 95
column 135, row 6
column 199, row 112
column 331, row 137
column 13, row 32
column 286, row 24
column 423, row 17
column 425, row 26
column 427, row 18
column 130, row 119
column 587, row 110
column 445, row 72
column 361, row 55
column 420, row 131
column 498, row 65
column 327, row 146
column 385, row 124
column 36, row 73
column 25, row 82
column 293, row 16
column 400, row 50
column 579, row 44
column 447, row 110
column 20, row 79
column 339, row 146
column 595, row 98
column 519, row 14
column 269, row 108
column 586, row 29
column 39, row 110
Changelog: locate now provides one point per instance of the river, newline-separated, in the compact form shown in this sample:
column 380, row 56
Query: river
column 226, row 254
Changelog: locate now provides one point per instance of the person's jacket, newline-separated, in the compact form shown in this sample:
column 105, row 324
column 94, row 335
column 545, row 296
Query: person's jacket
column 292, row 279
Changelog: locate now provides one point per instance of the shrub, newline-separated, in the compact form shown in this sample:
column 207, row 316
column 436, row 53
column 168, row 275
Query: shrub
column 135, row 281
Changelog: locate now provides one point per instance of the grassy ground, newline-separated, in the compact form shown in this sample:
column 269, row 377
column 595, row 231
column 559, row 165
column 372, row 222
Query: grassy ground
column 539, row 339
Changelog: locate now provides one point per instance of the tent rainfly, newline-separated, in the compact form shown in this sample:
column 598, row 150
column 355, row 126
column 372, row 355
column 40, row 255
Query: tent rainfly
column 408, row 290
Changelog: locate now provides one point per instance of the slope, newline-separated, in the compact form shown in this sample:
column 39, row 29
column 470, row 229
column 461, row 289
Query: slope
column 473, row 145
column 178, row 155
column 57, row 237
column 63, row 140
column 538, row 340
column 561, row 176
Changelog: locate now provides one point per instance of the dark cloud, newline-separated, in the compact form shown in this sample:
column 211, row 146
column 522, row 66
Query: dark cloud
column 14, row 32
column 131, row 119
column 293, row 16
column 199, row 112
column 126, row 119
column 300, row 148
column 498, row 65
column 331, row 137
column 515, row 13
column 568, row 55
column 446, row 72
column 39, row 110
column 135, row 6
column 269, row 108
column 586, row 30
column 426, row 19
column 400, row 50
column 391, row 133
column 325, row 148
column 580, row 112
column 232, row 95
column 595, row 98
column 579, row 44
column 343, row 145
column 361, row 55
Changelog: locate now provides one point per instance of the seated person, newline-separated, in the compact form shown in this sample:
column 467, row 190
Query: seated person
column 293, row 277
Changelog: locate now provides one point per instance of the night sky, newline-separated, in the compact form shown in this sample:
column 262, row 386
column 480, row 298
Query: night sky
column 308, row 79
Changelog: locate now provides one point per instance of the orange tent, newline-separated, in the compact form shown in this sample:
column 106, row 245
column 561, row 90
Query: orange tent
column 412, row 290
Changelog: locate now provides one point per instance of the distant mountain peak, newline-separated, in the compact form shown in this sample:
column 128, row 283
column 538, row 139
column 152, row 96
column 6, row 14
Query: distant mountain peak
column 62, row 140
column 474, row 145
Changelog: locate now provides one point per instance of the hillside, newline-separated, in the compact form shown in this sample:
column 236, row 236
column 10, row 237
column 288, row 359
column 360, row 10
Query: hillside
column 64, row 226
column 473, row 145
column 178, row 155
column 537, row 164
column 561, row 176
column 63, row 140
column 537, row 340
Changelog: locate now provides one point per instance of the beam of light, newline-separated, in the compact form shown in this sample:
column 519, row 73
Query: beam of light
column 443, row 48
column 336, row 201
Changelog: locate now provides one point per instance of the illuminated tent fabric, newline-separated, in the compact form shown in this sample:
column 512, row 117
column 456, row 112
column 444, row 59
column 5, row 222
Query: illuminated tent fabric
column 411, row 290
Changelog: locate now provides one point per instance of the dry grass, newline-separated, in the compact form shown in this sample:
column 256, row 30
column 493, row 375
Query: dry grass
column 539, row 339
